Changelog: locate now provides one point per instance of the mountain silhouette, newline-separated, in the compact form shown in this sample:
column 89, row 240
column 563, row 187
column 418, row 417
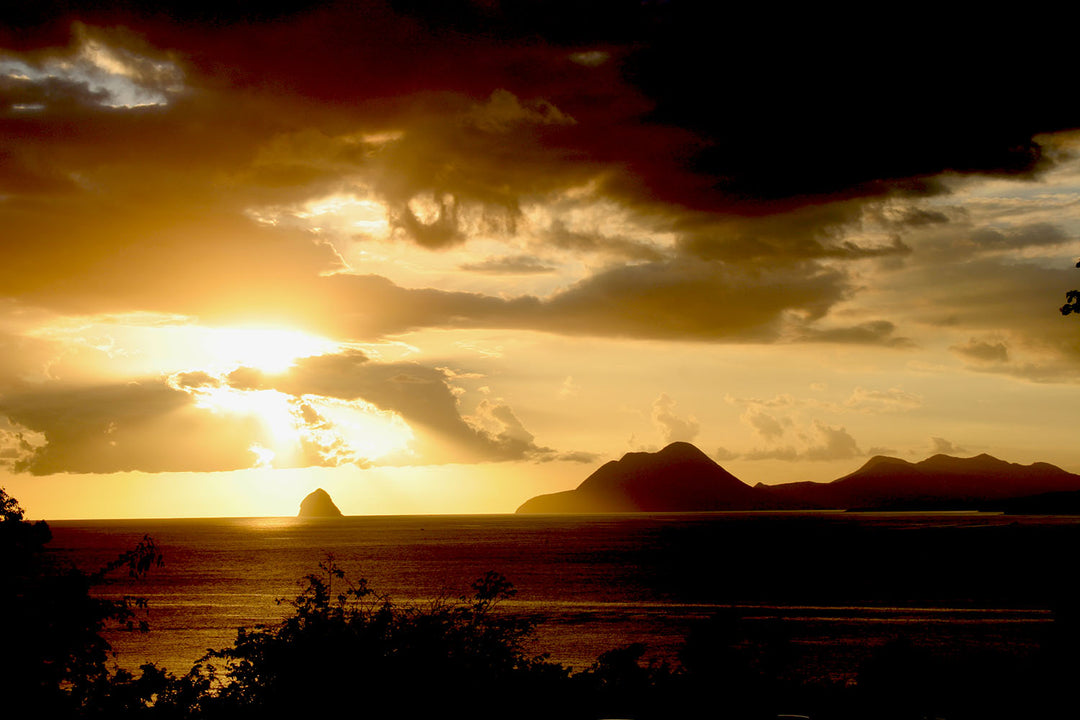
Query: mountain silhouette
column 318, row 505
column 679, row 478
column 939, row 482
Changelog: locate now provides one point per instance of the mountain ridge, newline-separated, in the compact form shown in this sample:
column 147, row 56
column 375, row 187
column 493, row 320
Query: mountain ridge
column 678, row 478
column 681, row 478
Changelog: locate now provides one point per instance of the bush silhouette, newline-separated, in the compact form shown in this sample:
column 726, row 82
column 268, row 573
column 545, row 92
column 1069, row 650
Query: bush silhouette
column 345, row 643
column 347, row 647
column 1072, row 301
column 53, row 657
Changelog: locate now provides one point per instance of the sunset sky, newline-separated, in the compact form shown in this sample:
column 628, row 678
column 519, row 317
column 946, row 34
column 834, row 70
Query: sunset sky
column 445, row 256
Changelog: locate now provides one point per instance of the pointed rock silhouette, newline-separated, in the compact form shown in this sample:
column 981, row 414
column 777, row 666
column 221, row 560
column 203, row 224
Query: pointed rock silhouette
column 318, row 504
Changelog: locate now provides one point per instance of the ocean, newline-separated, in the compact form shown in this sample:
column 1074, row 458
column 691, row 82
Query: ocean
column 834, row 585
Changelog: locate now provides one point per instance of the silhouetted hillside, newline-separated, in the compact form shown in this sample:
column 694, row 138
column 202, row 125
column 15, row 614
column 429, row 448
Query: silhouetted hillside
column 679, row 478
column 939, row 482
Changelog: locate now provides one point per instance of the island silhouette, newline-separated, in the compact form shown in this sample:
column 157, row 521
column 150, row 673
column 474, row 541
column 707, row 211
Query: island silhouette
column 681, row 478
column 318, row 505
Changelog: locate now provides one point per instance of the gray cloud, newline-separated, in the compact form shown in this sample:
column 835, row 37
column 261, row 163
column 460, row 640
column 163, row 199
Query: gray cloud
column 1035, row 235
column 875, row 332
column 560, row 236
column 514, row 265
column 671, row 426
column 691, row 300
column 821, row 443
column 832, row 444
column 147, row 426
column 982, row 351
column 941, row 446
column 882, row 401
column 807, row 233
column 767, row 426
column 686, row 300
column 722, row 454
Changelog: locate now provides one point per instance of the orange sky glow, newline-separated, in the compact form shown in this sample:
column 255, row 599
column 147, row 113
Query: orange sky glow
column 441, row 260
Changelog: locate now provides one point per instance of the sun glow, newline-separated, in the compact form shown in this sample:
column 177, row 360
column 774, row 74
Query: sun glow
column 272, row 408
column 311, row 429
column 271, row 350
column 367, row 431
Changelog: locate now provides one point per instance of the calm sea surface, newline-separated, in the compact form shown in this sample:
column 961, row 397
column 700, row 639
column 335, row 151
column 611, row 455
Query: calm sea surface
column 835, row 584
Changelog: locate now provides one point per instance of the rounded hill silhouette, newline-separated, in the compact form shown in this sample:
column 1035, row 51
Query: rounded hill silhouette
column 679, row 478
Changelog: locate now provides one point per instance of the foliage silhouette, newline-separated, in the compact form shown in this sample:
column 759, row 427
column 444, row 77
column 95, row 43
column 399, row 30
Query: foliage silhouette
column 1072, row 300
column 346, row 647
column 346, row 642
column 54, row 657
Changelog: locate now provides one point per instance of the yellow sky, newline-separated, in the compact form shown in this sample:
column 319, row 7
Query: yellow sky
column 450, row 276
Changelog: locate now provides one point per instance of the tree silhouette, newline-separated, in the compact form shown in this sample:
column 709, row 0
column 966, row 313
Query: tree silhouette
column 54, row 657
column 345, row 643
column 1072, row 300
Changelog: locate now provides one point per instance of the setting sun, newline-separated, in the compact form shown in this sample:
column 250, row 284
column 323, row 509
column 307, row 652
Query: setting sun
column 519, row 257
column 730, row 337
column 268, row 349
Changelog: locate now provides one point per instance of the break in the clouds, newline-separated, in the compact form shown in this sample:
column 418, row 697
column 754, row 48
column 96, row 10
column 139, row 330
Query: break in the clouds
column 114, row 70
column 326, row 410
column 422, row 396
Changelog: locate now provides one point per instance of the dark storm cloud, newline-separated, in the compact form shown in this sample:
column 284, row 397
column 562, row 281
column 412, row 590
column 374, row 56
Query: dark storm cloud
column 798, row 107
column 816, row 104
column 727, row 127
column 812, row 102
